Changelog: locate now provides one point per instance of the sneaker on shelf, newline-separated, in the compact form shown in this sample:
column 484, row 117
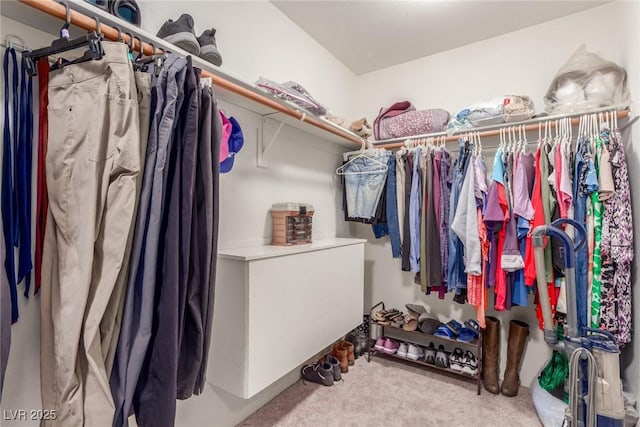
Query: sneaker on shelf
column 415, row 352
column 181, row 33
column 430, row 354
column 321, row 373
column 470, row 363
column 442, row 357
column 380, row 344
column 391, row 346
column 457, row 360
column 208, row 47
column 402, row 350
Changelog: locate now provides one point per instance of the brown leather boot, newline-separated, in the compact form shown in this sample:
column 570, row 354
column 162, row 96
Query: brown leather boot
column 340, row 352
column 350, row 355
column 491, row 354
column 518, row 332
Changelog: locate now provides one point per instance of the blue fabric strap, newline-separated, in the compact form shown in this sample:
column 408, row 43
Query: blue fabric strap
column 23, row 178
column 8, row 195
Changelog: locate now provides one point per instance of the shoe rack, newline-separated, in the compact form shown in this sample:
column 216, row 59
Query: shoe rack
column 419, row 338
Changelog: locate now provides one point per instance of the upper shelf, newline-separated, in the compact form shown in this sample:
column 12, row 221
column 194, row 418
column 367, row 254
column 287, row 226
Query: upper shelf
column 228, row 88
column 494, row 130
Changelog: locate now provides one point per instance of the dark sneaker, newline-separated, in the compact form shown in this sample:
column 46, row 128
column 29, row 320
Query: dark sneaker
column 442, row 357
column 457, row 360
column 321, row 373
column 430, row 354
column 181, row 33
column 208, row 47
column 470, row 363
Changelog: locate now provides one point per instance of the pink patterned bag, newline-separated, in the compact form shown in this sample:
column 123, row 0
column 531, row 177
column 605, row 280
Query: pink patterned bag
column 402, row 120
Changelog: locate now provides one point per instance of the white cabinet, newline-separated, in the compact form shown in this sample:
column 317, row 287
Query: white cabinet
column 276, row 307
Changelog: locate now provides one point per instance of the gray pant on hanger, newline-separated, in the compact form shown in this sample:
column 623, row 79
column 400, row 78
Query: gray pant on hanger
column 140, row 300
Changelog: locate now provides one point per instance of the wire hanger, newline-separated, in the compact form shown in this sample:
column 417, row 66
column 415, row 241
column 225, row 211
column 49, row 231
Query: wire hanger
column 64, row 44
column 362, row 154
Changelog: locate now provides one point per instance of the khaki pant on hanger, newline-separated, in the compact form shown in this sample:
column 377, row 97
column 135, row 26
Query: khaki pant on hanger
column 93, row 165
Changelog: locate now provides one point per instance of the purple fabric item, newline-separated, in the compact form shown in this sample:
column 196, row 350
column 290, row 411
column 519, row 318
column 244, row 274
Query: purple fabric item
column 480, row 184
column 521, row 195
column 493, row 215
column 528, row 163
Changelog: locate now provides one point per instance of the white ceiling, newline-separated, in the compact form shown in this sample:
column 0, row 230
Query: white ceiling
column 370, row 35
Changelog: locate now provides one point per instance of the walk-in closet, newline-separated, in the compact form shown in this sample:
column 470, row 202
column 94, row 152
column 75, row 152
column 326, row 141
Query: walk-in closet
column 319, row 213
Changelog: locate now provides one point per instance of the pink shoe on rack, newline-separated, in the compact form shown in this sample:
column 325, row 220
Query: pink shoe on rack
column 391, row 346
column 380, row 344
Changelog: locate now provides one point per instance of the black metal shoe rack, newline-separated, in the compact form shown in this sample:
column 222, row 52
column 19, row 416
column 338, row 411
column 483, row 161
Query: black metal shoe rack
column 423, row 340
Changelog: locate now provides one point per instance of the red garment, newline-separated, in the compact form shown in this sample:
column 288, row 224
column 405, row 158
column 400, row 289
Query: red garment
column 501, row 275
column 42, row 199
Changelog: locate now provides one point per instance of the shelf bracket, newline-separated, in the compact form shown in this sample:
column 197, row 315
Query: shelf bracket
column 265, row 143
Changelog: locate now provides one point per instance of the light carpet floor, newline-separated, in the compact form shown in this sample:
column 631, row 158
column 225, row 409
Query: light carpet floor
column 394, row 393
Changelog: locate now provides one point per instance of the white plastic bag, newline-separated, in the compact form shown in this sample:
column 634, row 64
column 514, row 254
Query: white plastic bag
column 586, row 82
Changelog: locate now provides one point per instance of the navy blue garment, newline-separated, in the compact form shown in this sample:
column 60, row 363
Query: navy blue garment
column 24, row 158
column 8, row 195
column 392, row 210
column 585, row 182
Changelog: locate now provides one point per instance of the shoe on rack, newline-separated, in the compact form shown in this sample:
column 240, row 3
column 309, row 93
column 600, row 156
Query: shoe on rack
column 321, row 373
column 380, row 344
column 402, row 350
column 415, row 352
column 457, row 360
column 469, row 363
column 208, row 47
column 430, row 354
column 391, row 346
column 442, row 357
column 181, row 33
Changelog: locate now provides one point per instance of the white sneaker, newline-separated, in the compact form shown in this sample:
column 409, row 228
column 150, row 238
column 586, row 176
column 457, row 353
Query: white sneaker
column 415, row 352
column 402, row 350
column 470, row 363
column 457, row 360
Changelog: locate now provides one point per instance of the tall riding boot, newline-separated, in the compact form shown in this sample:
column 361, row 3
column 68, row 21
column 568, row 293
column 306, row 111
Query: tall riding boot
column 340, row 352
column 518, row 332
column 491, row 354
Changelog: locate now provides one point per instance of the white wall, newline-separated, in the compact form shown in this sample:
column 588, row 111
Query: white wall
column 255, row 39
column 521, row 62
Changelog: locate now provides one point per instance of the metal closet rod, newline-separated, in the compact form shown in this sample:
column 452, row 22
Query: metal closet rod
column 52, row 8
column 495, row 131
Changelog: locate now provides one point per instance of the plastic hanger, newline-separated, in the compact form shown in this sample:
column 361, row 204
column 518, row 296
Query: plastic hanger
column 382, row 167
column 64, row 44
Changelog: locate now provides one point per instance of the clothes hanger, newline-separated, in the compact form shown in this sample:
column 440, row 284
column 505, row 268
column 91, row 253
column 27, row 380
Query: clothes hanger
column 381, row 167
column 64, row 44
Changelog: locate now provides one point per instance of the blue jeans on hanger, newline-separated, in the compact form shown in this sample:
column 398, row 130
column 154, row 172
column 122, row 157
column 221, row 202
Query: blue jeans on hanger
column 363, row 190
column 457, row 278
